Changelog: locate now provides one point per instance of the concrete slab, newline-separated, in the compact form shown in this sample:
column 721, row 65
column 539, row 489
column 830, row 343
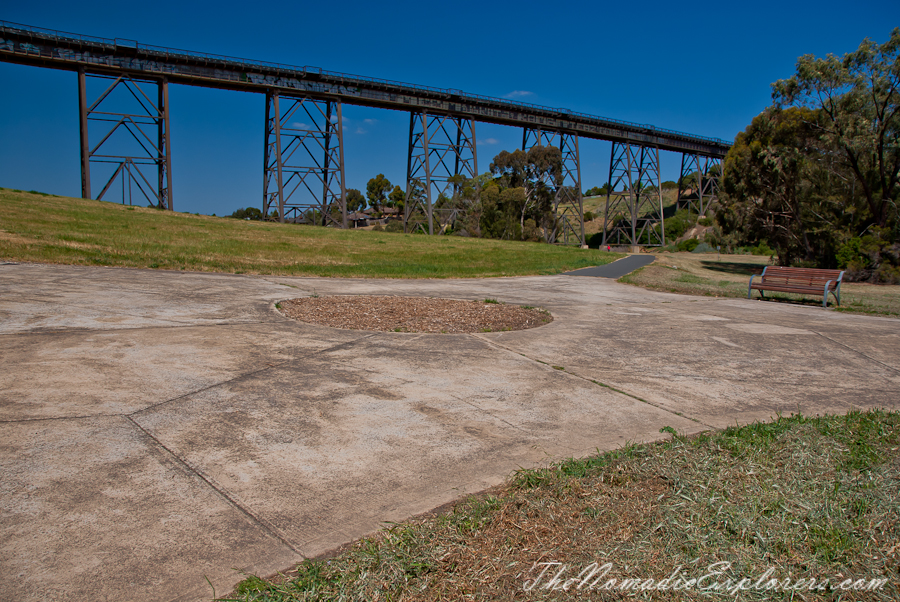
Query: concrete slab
column 94, row 509
column 158, row 429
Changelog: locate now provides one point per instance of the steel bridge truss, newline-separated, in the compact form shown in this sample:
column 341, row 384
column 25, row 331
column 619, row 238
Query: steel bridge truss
column 698, row 186
column 134, row 140
column 303, row 173
column 441, row 156
column 634, row 213
column 568, row 228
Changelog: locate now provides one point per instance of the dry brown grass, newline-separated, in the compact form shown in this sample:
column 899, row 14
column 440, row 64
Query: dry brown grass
column 714, row 275
column 803, row 498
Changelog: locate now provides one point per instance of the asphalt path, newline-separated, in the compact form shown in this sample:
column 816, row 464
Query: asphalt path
column 616, row 269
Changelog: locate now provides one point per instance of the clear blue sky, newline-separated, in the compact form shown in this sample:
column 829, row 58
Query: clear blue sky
column 703, row 68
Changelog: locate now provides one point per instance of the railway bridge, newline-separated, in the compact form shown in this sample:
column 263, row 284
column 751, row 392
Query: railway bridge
column 303, row 157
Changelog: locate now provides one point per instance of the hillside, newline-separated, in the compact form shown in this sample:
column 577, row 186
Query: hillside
column 37, row 227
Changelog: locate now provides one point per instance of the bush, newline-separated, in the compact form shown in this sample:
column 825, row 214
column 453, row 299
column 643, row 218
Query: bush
column 588, row 216
column 378, row 228
column 703, row 248
column 248, row 213
column 394, row 226
column 678, row 224
column 595, row 240
column 705, row 221
column 532, row 232
column 688, row 245
column 762, row 248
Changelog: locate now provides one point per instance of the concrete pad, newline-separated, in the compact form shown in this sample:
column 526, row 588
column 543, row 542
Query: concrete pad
column 94, row 509
column 327, row 448
column 161, row 428
column 119, row 371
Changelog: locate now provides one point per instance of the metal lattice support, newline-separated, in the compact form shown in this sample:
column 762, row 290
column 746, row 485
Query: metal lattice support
column 567, row 205
column 440, row 148
column 129, row 149
column 303, row 164
column 702, row 173
column 633, row 213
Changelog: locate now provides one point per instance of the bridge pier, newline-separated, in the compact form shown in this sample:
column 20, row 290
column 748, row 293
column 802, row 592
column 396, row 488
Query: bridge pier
column 705, row 190
column 567, row 205
column 633, row 215
column 132, row 155
column 303, row 161
column 442, row 154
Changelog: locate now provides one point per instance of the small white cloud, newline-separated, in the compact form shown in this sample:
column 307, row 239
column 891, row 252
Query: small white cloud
column 300, row 125
column 360, row 131
column 370, row 121
column 488, row 141
column 519, row 94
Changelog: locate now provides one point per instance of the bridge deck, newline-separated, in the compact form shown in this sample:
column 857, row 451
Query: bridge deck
column 58, row 50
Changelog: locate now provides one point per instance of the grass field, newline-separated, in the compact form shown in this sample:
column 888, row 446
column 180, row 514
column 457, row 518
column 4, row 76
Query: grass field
column 794, row 500
column 51, row 229
column 729, row 275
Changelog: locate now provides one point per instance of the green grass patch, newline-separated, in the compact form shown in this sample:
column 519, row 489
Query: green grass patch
column 50, row 229
column 799, row 498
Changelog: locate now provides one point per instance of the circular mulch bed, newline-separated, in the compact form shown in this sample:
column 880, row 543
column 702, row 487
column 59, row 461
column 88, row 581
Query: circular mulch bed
column 413, row 314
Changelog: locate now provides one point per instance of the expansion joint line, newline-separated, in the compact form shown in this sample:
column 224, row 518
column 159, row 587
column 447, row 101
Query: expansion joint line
column 857, row 351
column 274, row 532
column 592, row 381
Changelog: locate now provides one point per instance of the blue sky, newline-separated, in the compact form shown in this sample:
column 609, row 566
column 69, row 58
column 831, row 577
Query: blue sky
column 702, row 68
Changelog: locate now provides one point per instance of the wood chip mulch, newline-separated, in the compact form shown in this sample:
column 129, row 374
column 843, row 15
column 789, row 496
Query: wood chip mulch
column 412, row 314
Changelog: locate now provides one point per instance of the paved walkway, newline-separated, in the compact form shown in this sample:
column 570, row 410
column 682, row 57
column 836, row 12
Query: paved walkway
column 161, row 428
column 616, row 269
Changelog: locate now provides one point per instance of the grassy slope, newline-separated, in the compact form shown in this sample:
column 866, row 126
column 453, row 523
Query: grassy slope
column 807, row 498
column 728, row 276
column 51, row 229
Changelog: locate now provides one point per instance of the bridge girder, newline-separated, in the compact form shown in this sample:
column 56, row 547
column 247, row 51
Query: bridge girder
column 125, row 115
column 441, row 148
column 568, row 212
column 633, row 214
column 303, row 162
column 705, row 174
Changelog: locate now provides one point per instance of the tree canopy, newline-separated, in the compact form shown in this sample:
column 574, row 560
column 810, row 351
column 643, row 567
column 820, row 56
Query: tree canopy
column 377, row 190
column 355, row 200
column 817, row 174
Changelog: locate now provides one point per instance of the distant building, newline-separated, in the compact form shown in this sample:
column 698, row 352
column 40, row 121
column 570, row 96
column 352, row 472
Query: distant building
column 357, row 220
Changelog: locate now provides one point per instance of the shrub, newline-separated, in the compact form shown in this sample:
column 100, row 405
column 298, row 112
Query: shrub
column 394, row 226
column 762, row 248
column 678, row 224
column 703, row 248
column 378, row 228
column 595, row 240
column 688, row 245
column 588, row 216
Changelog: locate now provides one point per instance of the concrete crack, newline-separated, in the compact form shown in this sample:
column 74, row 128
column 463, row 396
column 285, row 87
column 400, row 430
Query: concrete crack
column 590, row 380
column 264, row 524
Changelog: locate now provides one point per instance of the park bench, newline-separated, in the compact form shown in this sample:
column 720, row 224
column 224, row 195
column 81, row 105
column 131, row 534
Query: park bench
column 798, row 280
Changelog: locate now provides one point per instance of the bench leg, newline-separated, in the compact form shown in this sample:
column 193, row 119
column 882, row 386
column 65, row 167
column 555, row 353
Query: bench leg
column 825, row 299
